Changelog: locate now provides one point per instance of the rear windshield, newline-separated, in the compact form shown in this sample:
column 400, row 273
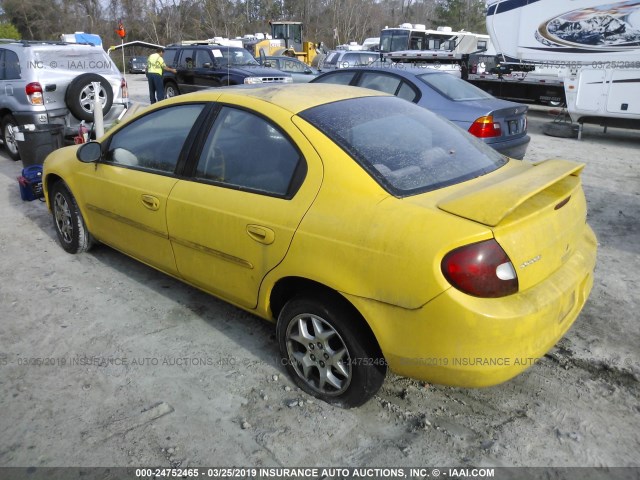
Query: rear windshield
column 406, row 148
column 453, row 87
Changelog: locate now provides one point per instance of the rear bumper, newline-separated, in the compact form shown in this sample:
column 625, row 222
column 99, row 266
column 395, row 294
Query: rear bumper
column 515, row 148
column 63, row 117
column 465, row 341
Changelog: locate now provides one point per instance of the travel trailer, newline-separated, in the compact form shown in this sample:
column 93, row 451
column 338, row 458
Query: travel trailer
column 594, row 45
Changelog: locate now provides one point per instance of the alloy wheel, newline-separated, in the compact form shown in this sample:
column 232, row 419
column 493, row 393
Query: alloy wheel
column 62, row 214
column 318, row 354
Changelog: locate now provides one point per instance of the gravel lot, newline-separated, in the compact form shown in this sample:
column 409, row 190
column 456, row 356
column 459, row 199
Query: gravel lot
column 145, row 371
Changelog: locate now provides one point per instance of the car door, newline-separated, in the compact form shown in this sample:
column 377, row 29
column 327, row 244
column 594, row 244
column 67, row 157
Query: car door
column 185, row 76
column 234, row 220
column 205, row 75
column 126, row 194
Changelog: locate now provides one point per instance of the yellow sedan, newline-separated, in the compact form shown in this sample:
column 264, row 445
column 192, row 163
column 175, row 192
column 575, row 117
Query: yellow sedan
column 372, row 232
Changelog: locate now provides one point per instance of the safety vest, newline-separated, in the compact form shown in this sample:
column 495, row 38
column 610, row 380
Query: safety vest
column 155, row 62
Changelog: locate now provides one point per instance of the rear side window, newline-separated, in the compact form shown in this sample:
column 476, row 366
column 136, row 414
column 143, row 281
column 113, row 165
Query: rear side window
column 9, row 65
column 353, row 60
column 245, row 151
column 453, row 87
column 407, row 93
column 381, row 82
column 406, row 148
column 331, row 59
column 368, row 58
column 169, row 56
column 338, row 78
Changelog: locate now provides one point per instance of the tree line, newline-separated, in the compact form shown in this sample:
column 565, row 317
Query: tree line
column 167, row 21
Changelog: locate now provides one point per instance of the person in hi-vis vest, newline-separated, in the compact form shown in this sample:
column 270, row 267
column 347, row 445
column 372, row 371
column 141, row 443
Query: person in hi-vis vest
column 155, row 66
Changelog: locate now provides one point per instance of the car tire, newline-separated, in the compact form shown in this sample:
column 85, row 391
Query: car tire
column 80, row 94
column 10, row 143
column 329, row 351
column 561, row 130
column 67, row 219
column 171, row 90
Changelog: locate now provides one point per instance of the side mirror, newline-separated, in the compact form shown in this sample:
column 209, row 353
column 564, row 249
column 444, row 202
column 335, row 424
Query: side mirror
column 206, row 65
column 89, row 152
column 307, row 71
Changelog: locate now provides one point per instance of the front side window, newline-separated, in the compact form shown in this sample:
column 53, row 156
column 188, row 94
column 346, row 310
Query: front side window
column 154, row 142
column 406, row 148
column 247, row 152
column 203, row 60
column 169, row 57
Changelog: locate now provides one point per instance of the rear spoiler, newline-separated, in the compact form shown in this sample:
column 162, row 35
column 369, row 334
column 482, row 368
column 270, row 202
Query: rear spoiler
column 490, row 202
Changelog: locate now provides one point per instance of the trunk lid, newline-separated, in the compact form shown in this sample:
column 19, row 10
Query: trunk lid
column 512, row 120
column 537, row 213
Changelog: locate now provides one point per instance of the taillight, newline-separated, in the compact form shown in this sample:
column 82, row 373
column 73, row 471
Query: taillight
column 485, row 127
column 34, row 93
column 481, row 269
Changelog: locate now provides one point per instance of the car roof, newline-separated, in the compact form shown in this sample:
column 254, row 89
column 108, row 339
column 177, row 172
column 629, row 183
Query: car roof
column 403, row 72
column 292, row 97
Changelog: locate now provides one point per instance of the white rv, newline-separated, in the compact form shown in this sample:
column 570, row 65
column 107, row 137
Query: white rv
column 413, row 37
column 594, row 45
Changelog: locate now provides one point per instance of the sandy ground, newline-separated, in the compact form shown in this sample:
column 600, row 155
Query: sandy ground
column 137, row 369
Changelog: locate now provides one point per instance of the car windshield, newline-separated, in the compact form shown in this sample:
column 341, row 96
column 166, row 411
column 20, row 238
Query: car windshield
column 406, row 148
column 233, row 56
column 453, row 87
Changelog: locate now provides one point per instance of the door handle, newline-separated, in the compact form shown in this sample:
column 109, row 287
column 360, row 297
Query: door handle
column 151, row 202
column 261, row 234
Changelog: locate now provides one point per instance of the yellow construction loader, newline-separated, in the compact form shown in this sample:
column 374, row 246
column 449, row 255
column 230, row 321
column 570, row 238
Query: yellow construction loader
column 286, row 39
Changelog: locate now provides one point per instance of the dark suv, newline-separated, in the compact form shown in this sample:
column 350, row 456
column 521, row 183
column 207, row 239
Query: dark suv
column 202, row 66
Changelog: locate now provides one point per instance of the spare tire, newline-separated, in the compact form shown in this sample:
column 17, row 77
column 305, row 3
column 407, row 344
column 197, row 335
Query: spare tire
column 561, row 129
column 80, row 95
